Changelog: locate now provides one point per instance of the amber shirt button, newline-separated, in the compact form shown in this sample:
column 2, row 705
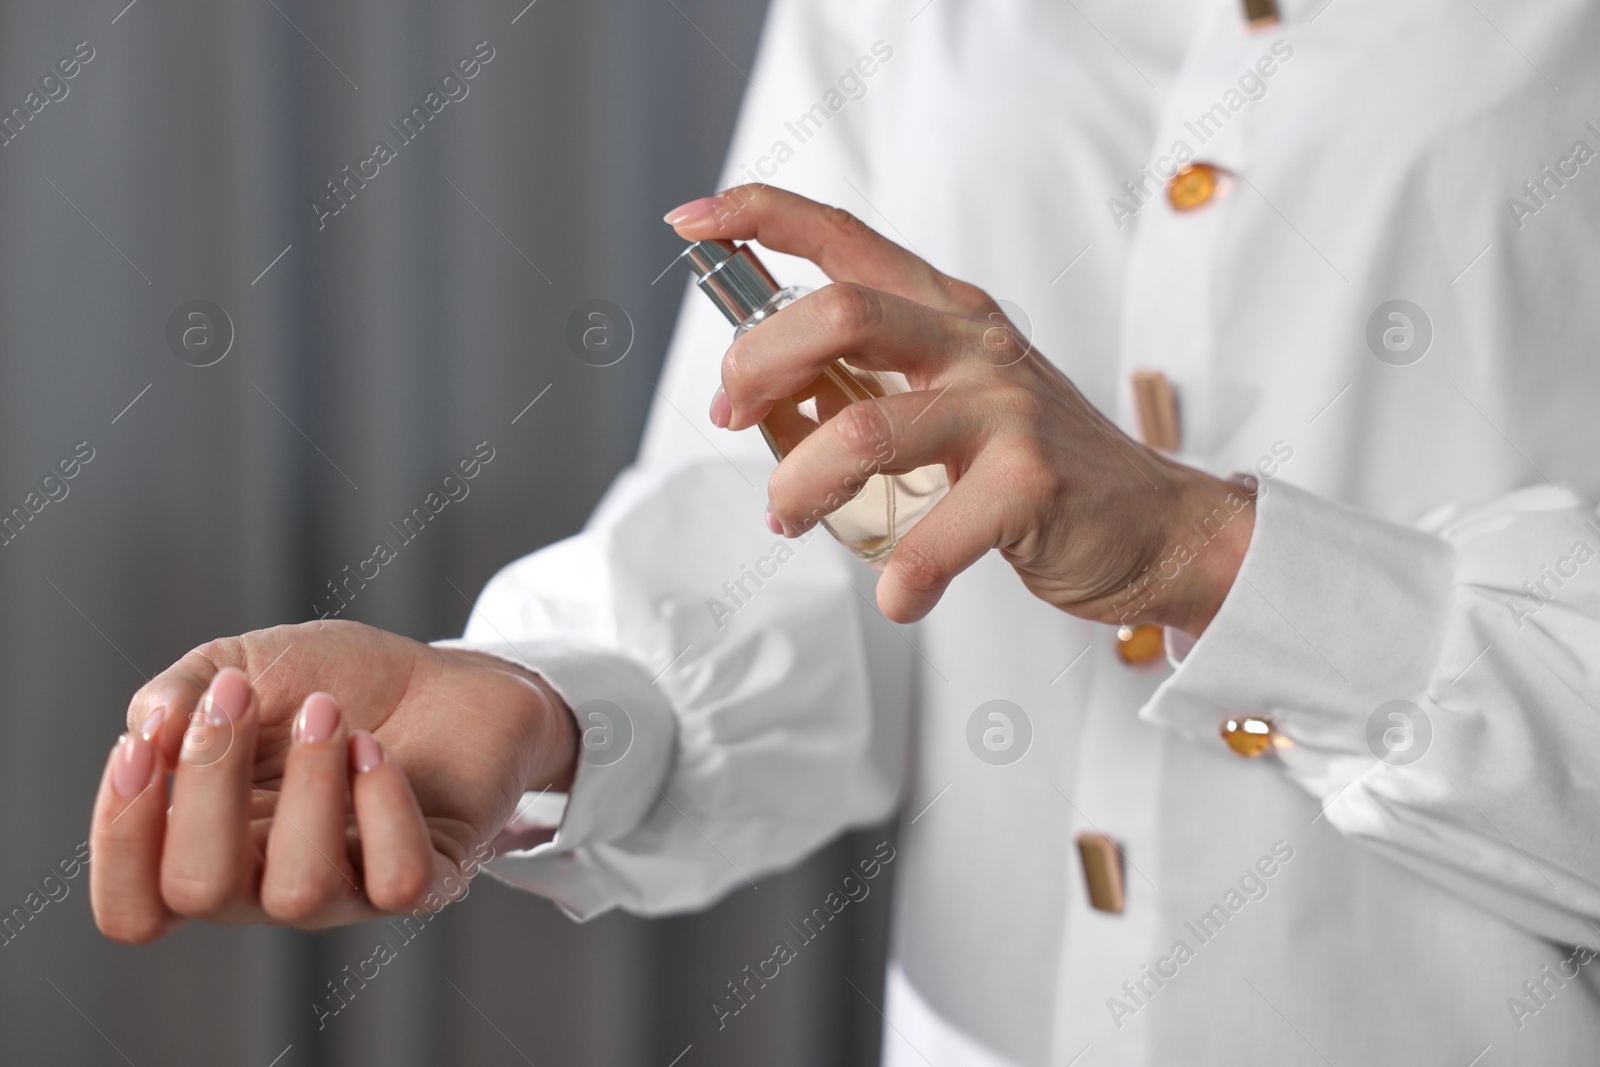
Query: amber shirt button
column 1249, row 737
column 1140, row 644
column 1193, row 186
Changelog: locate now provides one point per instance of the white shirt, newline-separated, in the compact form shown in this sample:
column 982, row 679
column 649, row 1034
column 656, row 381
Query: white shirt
column 1360, row 912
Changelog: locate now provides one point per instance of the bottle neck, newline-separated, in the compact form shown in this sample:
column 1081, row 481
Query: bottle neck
column 732, row 276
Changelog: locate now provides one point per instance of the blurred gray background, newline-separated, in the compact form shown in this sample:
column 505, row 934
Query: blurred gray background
column 367, row 357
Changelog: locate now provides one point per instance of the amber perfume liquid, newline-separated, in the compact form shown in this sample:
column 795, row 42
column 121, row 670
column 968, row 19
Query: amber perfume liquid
column 873, row 521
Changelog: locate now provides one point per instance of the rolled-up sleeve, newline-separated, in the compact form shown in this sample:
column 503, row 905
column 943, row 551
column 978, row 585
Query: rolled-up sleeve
column 738, row 700
column 1436, row 688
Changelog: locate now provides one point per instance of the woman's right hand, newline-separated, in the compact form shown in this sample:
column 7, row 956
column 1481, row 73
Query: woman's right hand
column 322, row 774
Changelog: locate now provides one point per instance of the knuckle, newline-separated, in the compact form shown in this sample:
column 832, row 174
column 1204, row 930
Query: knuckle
column 1026, row 473
column 398, row 889
column 969, row 298
column 916, row 570
column 1002, row 346
column 1018, row 405
column 847, row 309
column 193, row 895
column 731, row 202
column 863, row 427
column 298, row 901
column 847, row 224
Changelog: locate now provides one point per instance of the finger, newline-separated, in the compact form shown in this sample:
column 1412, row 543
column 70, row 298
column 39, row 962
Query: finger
column 874, row 330
column 397, row 855
column 129, row 824
column 206, row 863
column 886, row 435
column 951, row 537
column 173, row 693
column 308, row 878
column 847, row 249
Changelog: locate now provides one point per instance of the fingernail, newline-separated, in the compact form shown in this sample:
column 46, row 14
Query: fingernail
column 693, row 211
column 131, row 765
column 228, row 697
column 772, row 521
column 365, row 753
column 721, row 409
column 152, row 723
column 318, row 719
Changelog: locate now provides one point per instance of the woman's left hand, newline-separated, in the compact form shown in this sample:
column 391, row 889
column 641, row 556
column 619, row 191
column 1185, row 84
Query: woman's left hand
column 1084, row 513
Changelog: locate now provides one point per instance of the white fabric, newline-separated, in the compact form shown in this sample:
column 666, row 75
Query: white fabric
column 1403, row 509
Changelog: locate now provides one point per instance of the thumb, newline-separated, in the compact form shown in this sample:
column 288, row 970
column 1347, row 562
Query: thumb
column 847, row 249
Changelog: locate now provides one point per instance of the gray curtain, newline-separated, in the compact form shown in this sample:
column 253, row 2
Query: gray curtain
column 366, row 351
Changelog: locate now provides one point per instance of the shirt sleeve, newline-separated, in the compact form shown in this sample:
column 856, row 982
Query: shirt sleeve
column 1436, row 687
column 740, row 698
column 738, row 701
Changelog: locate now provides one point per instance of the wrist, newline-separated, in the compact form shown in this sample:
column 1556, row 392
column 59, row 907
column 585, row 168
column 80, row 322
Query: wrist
column 1203, row 546
column 556, row 745
column 548, row 729
column 1218, row 523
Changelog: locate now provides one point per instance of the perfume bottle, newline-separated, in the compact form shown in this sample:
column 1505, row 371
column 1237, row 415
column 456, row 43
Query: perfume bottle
column 872, row 522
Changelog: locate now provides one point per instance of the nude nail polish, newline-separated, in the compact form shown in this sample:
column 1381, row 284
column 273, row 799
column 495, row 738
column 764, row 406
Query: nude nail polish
column 721, row 410
column 884, row 506
column 228, row 698
column 152, row 723
column 317, row 720
column 693, row 211
column 365, row 753
column 131, row 765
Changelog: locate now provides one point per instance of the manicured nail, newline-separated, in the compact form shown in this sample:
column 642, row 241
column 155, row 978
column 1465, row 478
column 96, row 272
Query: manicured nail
column 721, row 409
column 693, row 211
column 131, row 765
column 152, row 723
column 318, row 719
column 772, row 521
column 228, row 698
column 365, row 753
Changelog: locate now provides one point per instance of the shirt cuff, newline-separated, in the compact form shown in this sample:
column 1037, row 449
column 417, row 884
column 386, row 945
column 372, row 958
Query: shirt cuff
column 1332, row 614
column 627, row 734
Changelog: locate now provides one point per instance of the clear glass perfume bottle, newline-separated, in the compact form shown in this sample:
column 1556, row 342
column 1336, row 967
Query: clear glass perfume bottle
column 872, row 522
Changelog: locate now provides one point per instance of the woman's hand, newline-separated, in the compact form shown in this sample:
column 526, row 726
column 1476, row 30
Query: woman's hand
column 1094, row 522
column 322, row 774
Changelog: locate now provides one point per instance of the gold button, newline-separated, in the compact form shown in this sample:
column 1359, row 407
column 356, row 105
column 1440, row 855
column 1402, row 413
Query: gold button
column 1259, row 14
column 1193, row 186
column 1140, row 644
column 1249, row 737
column 1155, row 404
column 1102, row 872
